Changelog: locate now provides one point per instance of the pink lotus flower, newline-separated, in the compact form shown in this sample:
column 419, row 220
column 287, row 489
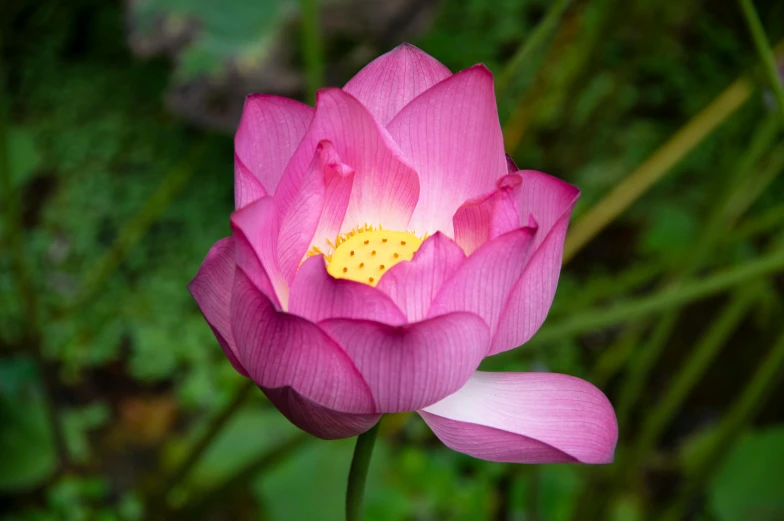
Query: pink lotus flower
column 382, row 246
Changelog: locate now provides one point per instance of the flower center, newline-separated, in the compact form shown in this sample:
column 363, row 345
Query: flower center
column 365, row 254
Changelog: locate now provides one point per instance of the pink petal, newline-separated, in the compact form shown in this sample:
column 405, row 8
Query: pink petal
column 527, row 418
column 278, row 349
column 481, row 283
column 386, row 187
column 269, row 132
column 211, row 288
column 547, row 198
column 392, row 80
column 412, row 285
column 255, row 229
column 316, row 296
column 453, row 138
column 317, row 420
column 410, row 367
column 490, row 216
column 550, row 201
column 247, row 187
column 511, row 166
column 318, row 208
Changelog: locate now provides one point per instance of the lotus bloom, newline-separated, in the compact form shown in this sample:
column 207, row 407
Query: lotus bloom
column 382, row 246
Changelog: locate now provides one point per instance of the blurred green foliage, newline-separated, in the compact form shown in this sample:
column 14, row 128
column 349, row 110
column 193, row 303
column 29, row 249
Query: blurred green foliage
column 138, row 376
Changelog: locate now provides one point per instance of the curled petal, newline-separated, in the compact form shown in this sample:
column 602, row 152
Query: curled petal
column 268, row 134
column 481, row 284
column 547, row 198
column 410, row 367
column 392, row 80
column 452, row 136
column 211, row 288
column 317, row 420
column 412, row 285
column 490, row 216
column 385, row 188
column 317, row 210
column 316, row 295
column 282, row 350
column 526, row 418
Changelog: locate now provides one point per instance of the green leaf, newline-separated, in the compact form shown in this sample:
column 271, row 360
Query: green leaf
column 26, row 443
column 749, row 484
column 23, row 157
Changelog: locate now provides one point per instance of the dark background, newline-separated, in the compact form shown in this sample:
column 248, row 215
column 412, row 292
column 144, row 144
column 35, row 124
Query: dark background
column 116, row 154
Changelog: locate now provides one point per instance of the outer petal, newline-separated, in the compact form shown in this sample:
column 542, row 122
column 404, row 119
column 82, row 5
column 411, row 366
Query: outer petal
column 247, row 187
column 211, row 288
column 527, row 418
column 550, row 201
column 392, row 80
column 282, row 350
column 269, row 132
column 318, row 208
column 386, row 187
column 317, row 420
column 255, row 229
column 316, row 296
column 481, row 283
column 488, row 217
column 547, row 198
column 452, row 136
column 412, row 285
column 410, row 367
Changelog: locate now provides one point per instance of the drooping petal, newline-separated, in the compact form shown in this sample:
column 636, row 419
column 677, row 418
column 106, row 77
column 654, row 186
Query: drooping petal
column 490, row 216
column 269, row 132
column 255, row 229
column 247, row 187
column 412, row 285
column 527, row 418
column 481, row 284
column 551, row 201
column 410, row 367
column 319, row 207
column 386, row 187
column 317, row 420
column 392, row 80
column 278, row 349
column 211, row 288
column 452, row 136
column 317, row 296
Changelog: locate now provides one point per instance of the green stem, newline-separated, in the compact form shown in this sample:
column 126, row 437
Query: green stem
column 764, row 50
column 311, row 47
column 541, row 32
column 357, row 475
column 158, row 501
column 740, row 415
column 27, row 291
column 238, row 482
column 692, row 370
column 663, row 300
column 656, row 166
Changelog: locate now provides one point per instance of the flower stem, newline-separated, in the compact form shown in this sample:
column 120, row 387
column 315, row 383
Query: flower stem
column 763, row 48
column 357, row 475
column 158, row 500
column 312, row 48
